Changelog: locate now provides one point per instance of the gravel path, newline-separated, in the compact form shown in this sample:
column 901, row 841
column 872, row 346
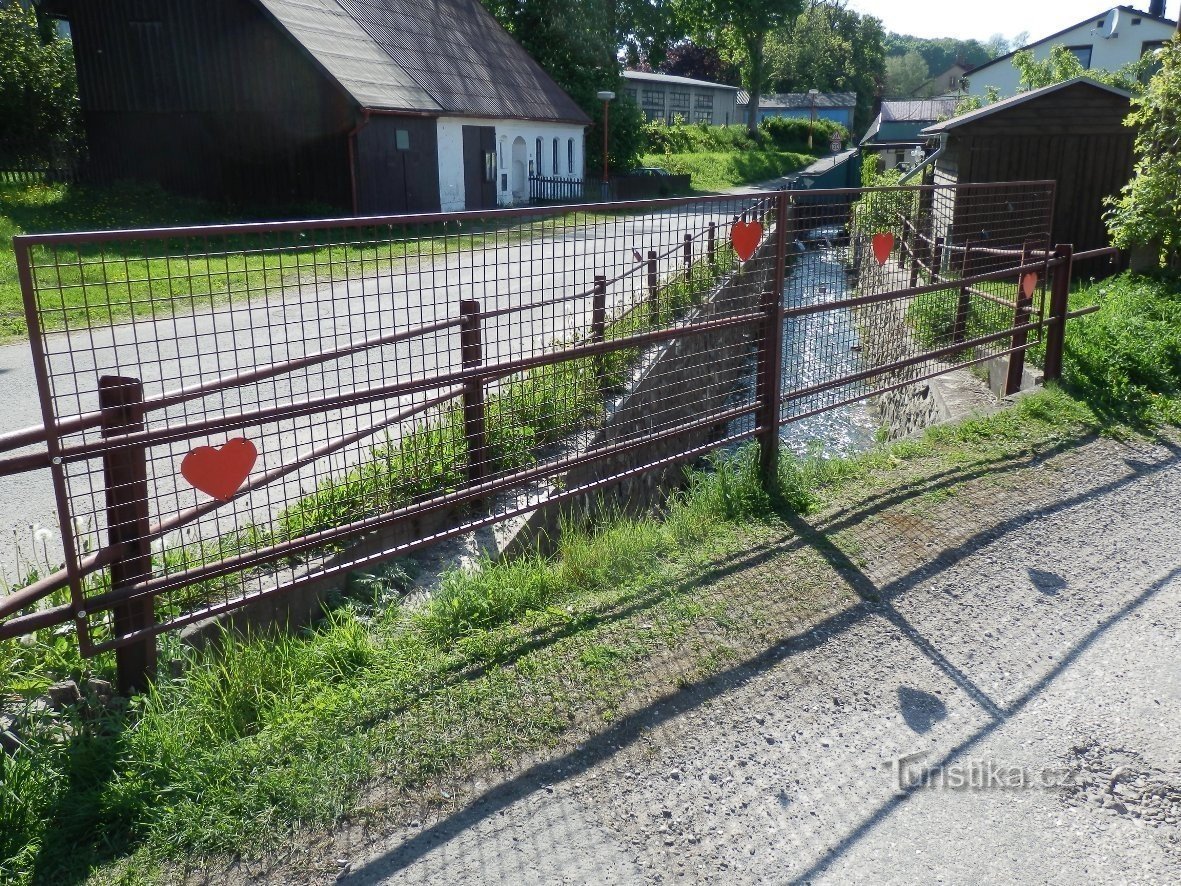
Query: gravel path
column 1015, row 622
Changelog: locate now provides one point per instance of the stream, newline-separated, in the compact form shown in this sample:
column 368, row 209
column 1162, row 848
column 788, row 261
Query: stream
column 818, row 347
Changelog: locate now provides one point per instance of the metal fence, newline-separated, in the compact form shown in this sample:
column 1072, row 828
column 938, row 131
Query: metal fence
column 554, row 189
column 233, row 412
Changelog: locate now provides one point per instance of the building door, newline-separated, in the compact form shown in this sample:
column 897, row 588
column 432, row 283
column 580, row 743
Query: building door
column 479, row 167
column 520, row 170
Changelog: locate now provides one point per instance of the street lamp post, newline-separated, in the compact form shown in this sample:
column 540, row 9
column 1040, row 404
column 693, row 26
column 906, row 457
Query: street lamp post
column 606, row 96
column 812, row 93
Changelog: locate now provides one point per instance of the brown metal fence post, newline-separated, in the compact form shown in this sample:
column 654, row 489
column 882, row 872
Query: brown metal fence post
column 599, row 329
column 770, row 355
column 653, row 289
column 1059, row 296
column 914, row 258
column 963, row 304
column 711, row 244
column 125, row 477
column 471, row 346
column 1021, row 315
column 937, row 260
column 688, row 256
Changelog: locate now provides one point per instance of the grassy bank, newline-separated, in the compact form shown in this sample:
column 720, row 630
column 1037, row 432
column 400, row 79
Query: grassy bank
column 378, row 701
column 718, row 171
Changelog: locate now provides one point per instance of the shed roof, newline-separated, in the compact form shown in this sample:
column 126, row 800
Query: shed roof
column 918, row 110
column 651, row 77
column 802, row 100
column 1020, row 99
column 426, row 56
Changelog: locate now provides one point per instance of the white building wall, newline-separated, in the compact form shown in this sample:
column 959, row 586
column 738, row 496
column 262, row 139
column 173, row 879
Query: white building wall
column 450, row 133
column 1107, row 53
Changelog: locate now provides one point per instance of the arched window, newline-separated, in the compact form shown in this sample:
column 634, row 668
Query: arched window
column 556, row 165
column 570, row 156
column 538, row 154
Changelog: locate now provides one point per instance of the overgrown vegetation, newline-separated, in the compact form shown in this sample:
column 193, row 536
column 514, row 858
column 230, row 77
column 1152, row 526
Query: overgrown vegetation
column 284, row 731
column 788, row 134
column 721, row 157
column 40, row 117
column 1147, row 213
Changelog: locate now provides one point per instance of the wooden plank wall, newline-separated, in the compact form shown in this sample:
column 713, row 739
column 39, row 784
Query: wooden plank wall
column 1075, row 137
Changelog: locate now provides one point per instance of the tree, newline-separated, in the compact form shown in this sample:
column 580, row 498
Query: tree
column 741, row 26
column 943, row 52
column 905, row 74
column 1148, row 210
column 39, row 109
column 833, row 49
column 689, row 59
column 578, row 45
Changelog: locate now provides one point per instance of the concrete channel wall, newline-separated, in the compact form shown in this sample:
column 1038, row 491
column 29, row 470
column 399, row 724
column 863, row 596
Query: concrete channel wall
column 703, row 369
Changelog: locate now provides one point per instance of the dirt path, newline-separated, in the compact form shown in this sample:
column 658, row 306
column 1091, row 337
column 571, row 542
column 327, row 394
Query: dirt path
column 1011, row 620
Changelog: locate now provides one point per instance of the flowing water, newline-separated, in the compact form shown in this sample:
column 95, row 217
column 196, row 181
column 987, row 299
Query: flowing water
column 818, row 347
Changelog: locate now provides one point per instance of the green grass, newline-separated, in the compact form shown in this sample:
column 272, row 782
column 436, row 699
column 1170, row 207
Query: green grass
column 288, row 731
column 718, row 171
column 99, row 285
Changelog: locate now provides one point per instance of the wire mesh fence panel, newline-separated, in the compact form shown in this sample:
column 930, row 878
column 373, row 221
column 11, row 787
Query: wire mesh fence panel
column 236, row 411
column 887, row 287
column 273, row 395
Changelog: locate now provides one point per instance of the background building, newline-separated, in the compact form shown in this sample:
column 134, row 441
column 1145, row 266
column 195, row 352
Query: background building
column 1107, row 42
column 665, row 97
column 836, row 106
column 386, row 106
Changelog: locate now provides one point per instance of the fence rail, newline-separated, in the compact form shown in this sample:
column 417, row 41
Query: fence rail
column 232, row 412
column 555, row 189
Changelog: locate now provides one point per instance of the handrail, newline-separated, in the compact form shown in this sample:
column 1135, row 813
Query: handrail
column 106, row 555
column 32, row 434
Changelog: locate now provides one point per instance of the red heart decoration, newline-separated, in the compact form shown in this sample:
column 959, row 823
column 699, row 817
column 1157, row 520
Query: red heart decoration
column 883, row 245
column 1029, row 284
column 220, row 472
column 745, row 237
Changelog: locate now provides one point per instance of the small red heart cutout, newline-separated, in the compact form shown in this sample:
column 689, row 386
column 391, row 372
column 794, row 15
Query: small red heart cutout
column 220, row 472
column 883, row 245
column 745, row 237
column 1029, row 284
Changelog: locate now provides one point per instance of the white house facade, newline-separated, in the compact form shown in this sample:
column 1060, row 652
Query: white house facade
column 1106, row 42
column 523, row 148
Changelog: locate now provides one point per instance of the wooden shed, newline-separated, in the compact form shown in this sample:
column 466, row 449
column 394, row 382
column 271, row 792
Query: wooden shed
column 1072, row 133
column 374, row 107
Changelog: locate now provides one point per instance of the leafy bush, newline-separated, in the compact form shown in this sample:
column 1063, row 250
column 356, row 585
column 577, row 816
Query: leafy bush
column 878, row 210
column 1125, row 360
column 791, row 133
column 1148, row 211
column 39, row 110
column 775, row 133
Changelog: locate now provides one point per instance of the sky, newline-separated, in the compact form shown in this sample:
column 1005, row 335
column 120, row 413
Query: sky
column 982, row 18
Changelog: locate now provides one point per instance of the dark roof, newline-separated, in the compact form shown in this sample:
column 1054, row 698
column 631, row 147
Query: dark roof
column 672, row 79
column 918, row 110
column 802, row 100
column 1020, row 99
column 429, row 56
column 1128, row 9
